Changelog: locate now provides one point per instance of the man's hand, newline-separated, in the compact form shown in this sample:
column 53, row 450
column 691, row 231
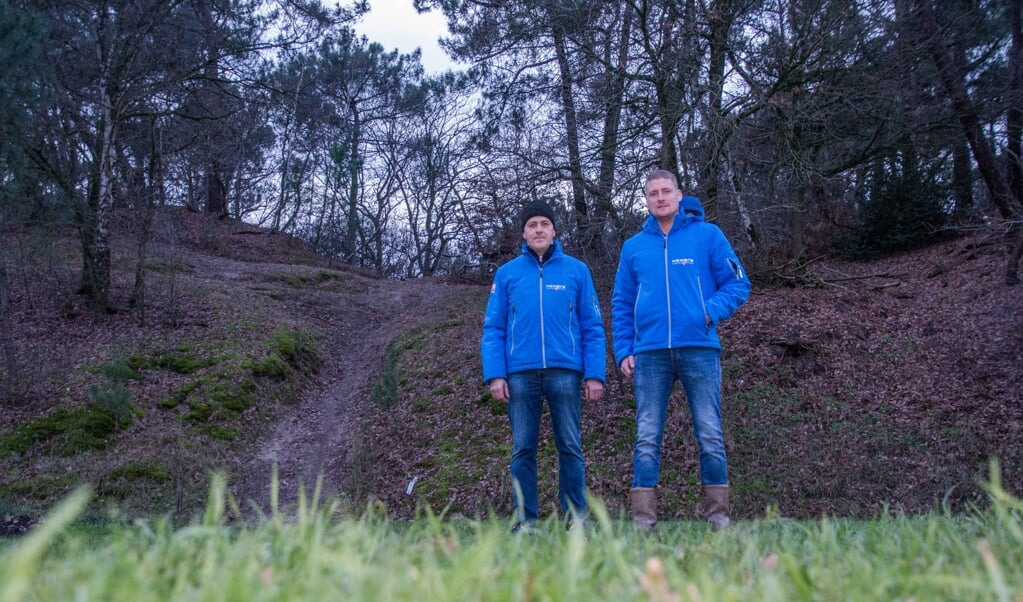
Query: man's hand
column 593, row 389
column 499, row 389
column 628, row 366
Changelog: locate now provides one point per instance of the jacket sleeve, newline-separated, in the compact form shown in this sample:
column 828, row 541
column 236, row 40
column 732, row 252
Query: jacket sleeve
column 495, row 321
column 591, row 327
column 623, row 301
column 730, row 279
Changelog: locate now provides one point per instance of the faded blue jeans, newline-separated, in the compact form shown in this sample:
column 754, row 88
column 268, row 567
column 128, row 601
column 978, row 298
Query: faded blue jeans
column 699, row 371
column 527, row 390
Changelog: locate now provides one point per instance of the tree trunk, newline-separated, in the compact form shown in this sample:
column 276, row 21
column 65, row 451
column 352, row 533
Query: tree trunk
column 95, row 281
column 11, row 380
column 146, row 190
column 216, row 190
column 745, row 217
column 716, row 122
column 352, row 226
column 95, row 219
column 213, row 180
column 669, row 121
column 575, row 169
column 798, row 245
column 604, row 206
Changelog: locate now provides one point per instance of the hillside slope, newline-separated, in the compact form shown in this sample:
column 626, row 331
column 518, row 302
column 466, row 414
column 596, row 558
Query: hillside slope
column 887, row 384
column 870, row 386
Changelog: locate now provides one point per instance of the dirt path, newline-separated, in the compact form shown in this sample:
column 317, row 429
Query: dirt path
column 319, row 434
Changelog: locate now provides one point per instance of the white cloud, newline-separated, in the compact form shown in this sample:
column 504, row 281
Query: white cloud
column 395, row 24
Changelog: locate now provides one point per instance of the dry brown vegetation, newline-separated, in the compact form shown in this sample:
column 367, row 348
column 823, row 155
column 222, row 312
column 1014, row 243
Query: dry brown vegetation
column 862, row 387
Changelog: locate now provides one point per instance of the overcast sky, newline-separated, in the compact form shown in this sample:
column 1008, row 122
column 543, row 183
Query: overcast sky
column 396, row 24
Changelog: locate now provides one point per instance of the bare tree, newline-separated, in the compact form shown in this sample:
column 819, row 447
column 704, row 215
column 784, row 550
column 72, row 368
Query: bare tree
column 364, row 85
column 434, row 149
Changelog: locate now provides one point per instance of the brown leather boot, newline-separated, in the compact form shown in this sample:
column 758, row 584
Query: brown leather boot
column 714, row 508
column 644, row 508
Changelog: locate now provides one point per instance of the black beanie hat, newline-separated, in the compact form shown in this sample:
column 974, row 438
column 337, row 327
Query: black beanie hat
column 538, row 208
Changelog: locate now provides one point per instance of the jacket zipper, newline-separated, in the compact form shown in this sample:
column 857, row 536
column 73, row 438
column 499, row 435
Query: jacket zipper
column 543, row 339
column 667, row 288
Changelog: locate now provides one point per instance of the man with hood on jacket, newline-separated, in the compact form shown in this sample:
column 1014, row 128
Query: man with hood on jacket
column 677, row 279
column 543, row 337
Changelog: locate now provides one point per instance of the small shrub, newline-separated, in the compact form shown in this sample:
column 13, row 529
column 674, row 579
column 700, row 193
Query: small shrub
column 111, row 396
column 385, row 390
column 115, row 400
column 297, row 348
column 272, row 366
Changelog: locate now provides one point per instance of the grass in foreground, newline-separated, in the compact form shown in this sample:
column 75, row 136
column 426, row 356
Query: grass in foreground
column 311, row 556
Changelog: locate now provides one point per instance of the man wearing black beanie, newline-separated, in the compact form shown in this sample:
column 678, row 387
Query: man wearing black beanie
column 543, row 338
column 537, row 208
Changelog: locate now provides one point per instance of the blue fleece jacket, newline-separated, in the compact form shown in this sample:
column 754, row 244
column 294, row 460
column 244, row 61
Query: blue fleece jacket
column 543, row 315
column 667, row 284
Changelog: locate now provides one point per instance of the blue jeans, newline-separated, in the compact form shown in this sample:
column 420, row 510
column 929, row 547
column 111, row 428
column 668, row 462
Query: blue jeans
column 699, row 371
column 526, row 391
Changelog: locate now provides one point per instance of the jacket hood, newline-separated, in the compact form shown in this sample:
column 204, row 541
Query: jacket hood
column 691, row 205
column 690, row 209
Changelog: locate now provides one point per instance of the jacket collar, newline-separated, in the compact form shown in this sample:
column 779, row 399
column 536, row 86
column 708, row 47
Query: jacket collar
column 552, row 251
column 652, row 226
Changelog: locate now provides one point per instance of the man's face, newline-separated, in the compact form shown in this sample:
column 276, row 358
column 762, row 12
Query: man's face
column 662, row 198
column 538, row 234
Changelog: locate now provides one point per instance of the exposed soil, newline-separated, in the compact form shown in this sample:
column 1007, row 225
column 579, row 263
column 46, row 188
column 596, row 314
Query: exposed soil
column 861, row 387
column 317, row 435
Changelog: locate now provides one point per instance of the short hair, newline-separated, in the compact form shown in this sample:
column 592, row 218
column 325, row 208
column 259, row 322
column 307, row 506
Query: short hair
column 660, row 174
